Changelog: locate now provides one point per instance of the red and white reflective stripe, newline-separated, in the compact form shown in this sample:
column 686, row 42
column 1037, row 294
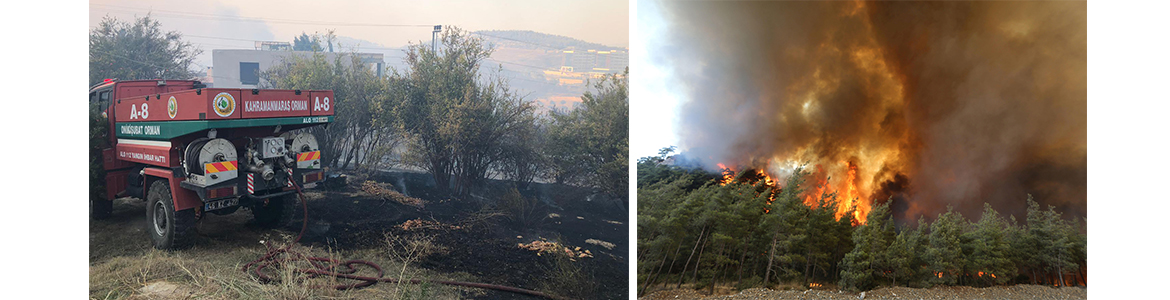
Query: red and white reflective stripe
column 251, row 189
column 290, row 175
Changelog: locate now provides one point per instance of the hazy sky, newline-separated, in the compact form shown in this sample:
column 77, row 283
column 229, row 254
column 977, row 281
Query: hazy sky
column 212, row 23
column 655, row 105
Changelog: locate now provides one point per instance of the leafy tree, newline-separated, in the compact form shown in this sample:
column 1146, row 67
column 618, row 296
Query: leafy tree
column 357, row 95
column 563, row 150
column 307, row 43
column 458, row 121
column 592, row 141
column 138, row 50
column 522, row 160
column 98, row 141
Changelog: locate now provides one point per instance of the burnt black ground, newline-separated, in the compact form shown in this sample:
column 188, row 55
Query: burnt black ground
column 347, row 218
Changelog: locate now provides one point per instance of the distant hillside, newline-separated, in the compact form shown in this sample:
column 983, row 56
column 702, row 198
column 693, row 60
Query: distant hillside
column 532, row 39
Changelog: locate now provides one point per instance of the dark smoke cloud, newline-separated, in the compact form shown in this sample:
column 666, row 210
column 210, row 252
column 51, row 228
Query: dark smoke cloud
column 940, row 103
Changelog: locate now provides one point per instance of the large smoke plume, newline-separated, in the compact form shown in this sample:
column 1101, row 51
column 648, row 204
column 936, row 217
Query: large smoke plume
column 936, row 103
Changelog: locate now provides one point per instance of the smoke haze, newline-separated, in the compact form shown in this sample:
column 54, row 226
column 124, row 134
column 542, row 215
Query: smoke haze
column 935, row 103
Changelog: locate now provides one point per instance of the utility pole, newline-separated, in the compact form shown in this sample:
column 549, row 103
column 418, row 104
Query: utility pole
column 434, row 36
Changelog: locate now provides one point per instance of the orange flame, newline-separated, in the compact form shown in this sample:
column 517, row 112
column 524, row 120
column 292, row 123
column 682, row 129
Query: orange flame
column 849, row 194
column 728, row 174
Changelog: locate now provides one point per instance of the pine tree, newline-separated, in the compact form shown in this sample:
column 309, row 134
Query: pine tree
column 988, row 260
column 900, row 257
column 781, row 224
column 920, row 240
column 1037, row 243
column 820, row 250
column 1057, row 252
column 869, row 256
column 944, row 255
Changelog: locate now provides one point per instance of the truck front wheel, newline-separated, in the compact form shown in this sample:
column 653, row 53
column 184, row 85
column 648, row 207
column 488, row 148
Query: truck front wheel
column 169, row 229
column 277, row 213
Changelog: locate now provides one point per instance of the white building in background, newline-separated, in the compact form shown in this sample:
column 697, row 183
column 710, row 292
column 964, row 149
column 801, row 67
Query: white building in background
column 594, row 61
column 241, row 68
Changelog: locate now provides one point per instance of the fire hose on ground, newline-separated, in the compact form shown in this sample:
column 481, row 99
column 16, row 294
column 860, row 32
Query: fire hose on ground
column 346, row 269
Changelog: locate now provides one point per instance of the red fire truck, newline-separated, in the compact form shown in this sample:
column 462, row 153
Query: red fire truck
column 189, row 150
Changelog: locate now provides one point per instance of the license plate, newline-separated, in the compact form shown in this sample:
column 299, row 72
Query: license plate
column 218, row 204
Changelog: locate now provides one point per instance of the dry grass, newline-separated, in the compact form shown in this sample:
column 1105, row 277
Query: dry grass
column 607, row 245
column 385, row 191
column 123, row 265
column 568, row 278
column 187, row 275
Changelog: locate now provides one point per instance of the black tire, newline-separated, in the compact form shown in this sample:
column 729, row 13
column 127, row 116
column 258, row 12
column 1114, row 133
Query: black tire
column 169, row 229
column 278, row 213
column 99, row 208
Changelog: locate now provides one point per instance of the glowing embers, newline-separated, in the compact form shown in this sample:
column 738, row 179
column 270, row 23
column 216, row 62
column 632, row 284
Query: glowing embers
column 989, row 274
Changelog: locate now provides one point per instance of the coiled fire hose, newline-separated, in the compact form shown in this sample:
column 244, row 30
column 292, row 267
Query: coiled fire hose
column 323, row 266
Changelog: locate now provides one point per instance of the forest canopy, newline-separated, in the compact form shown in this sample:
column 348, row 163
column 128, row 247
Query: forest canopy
column 696, row 229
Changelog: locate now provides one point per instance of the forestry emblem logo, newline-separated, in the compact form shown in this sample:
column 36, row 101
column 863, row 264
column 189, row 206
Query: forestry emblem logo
column 224, row 104
column 172, row 107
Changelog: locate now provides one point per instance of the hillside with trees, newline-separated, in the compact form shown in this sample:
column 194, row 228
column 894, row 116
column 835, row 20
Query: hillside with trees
column 748, row 233
column 528, row 38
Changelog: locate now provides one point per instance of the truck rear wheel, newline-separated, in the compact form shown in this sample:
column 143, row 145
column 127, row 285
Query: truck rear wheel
column 100, row 208
column 169, row 229
column 277, row 213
